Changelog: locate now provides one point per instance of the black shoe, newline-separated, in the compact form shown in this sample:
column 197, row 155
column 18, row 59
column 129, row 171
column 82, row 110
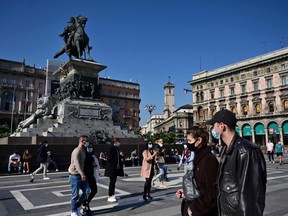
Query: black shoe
column 125, row 175
column 149, row 196
column 145, row 198
column 166, row 179
column 31, row 180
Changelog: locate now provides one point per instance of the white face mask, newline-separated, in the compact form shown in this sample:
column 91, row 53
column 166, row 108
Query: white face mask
column 160, row 144
column 185, row 146
column 150, row 146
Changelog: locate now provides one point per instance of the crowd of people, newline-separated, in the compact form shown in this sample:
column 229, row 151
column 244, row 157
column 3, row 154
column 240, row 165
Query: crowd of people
column 229, row 180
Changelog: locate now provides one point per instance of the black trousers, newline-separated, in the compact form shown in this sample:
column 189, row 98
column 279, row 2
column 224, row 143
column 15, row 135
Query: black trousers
column 112, row 184
column 148, row 182
column 93, row 188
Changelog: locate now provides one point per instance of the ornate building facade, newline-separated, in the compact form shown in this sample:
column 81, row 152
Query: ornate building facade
column 256, row 90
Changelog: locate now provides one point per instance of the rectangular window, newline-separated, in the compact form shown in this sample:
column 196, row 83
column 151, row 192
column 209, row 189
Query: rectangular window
column 4, row 80
column 232, row 91
column 40, row 85
column 256, row 86
column 243, row 88
column 222, row 93
column 255, row 73
column 269, row 83
column 283, row 80
column 27, row 83
column 13, row 82
column 232, row 79
column 283, row 66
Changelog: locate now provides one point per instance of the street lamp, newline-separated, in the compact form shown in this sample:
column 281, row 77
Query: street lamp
column 12, row 112
column 150, row 108
column 187, row 90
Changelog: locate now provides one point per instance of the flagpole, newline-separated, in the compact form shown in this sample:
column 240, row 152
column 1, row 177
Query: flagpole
column 13, row 104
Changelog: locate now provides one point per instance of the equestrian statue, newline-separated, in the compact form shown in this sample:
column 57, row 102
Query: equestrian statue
column 75, row 38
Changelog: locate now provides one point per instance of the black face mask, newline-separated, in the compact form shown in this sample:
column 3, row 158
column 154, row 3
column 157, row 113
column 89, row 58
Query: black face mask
column 191, row 146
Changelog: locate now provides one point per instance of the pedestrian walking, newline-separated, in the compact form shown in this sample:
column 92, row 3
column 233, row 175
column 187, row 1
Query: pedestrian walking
column 161, row 166
column 187, row 158
column 242, row 175
column 204, row 173
column 51, row 161
column 91, row 165
column 113, row 168
column 147, row 169
column 42, row 157
column 270, row 151
column 77, row 177
column 279, row 151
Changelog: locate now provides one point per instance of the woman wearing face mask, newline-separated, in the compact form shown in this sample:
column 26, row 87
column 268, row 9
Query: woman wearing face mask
column 147, row 170
column 205, row 172
column 186, row 159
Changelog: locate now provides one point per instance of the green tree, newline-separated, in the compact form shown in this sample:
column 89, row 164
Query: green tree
column 4, row 131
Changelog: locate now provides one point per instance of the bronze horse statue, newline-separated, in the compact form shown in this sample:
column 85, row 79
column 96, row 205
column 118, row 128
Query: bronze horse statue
column 76, row 40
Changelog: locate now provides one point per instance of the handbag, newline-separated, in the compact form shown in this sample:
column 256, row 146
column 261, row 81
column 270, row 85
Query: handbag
column 160, row 160
column 191, row 191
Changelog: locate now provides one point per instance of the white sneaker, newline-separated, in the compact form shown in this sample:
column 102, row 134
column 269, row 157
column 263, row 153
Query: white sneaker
column 32, row 176
column 46, row 178
column 111, row 199
column 56, row 170
column 74, row 213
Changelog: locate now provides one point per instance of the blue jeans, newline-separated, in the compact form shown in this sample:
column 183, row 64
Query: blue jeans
column 76, row 185
column 11, row 167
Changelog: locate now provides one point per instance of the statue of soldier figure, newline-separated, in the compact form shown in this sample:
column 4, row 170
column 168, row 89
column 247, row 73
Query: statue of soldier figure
column 75, row 38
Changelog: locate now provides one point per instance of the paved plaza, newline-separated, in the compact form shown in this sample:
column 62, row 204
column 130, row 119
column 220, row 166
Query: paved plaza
column 19, row 197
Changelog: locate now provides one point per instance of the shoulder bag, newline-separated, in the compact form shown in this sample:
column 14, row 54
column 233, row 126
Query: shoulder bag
column 191, row 191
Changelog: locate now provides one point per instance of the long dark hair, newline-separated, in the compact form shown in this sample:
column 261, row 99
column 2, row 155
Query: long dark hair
column 199, row 130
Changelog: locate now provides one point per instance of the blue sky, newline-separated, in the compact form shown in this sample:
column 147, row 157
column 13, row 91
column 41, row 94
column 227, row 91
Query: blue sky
column 148, row 40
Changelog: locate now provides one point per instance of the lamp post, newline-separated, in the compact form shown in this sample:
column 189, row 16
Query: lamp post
column 12, row 112
column 150, row 108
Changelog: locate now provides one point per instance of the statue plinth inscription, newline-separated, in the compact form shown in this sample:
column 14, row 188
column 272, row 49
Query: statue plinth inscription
column 93, row 113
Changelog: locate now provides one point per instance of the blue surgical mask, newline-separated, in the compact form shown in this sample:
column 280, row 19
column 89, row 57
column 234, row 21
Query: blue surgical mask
column 214, row 134
column 86, row 144
column 118, row 144
column 89, row 150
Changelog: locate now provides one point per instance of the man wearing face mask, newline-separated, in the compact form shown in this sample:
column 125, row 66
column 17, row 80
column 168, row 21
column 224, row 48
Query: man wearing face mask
column 242, row 175
column 187, row 158
column 113, row 168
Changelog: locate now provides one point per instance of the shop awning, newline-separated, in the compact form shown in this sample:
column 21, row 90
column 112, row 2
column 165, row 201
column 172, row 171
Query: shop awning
column 273, row 128
column 285, row 128
column 246, row 130
column 259, row 129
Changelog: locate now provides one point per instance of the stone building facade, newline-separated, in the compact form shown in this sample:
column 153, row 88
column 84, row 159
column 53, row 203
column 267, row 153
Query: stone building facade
column 27, row 83
column 256, row 90
column 20, row 88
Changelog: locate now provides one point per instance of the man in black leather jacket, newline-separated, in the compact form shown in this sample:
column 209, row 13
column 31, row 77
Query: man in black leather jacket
column 242, row 173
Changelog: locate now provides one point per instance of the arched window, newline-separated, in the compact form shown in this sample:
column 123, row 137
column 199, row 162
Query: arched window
column 271, row 107
column 197, row 97
column 213, row 112
column 257, row 108
column 286, row 105
column 202, row 96
column 245, row 110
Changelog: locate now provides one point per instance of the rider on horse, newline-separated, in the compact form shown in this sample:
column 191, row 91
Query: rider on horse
column 75, row 38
